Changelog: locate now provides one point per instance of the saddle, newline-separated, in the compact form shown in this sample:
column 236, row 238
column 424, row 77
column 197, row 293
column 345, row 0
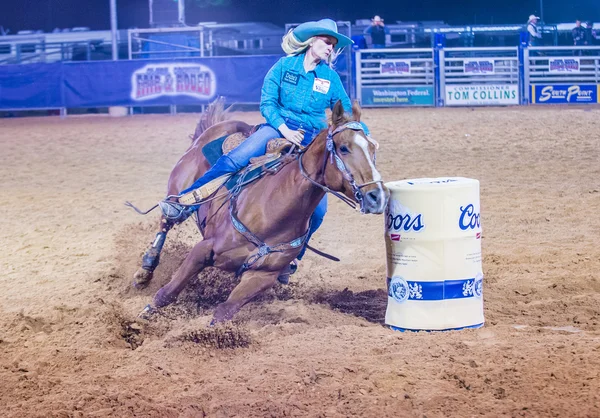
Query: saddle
column 275, row 147
column 221, row 146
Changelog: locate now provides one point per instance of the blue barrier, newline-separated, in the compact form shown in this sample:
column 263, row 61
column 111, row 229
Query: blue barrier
column 31, row 86
column 386, row 77
column 194, row 81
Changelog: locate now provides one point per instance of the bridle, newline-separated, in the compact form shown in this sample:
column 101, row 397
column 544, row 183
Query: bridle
column 339, row 163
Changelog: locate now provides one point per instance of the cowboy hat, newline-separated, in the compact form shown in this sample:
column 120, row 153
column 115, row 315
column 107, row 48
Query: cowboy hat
column 531, row 17
column 328, row 27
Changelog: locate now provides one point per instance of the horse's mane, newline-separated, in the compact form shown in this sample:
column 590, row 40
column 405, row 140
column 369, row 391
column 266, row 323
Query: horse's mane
column 214, row 113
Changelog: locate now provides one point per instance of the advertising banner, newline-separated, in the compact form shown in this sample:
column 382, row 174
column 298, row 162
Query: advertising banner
column 564, row 65
column 564, row 93
column 165, row 82
column 480, row 66
column 398, row 96
column 184, row 81
column 482, row 95
column 396, row 67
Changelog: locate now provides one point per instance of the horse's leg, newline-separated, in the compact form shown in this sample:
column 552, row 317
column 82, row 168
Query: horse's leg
column 151, row 257
column 253, row 282
column 194, row 263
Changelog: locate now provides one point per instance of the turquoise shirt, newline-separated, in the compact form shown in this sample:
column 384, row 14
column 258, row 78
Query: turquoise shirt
column 290, row 92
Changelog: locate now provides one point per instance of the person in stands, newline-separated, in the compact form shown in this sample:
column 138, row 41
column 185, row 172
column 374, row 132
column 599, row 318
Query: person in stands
column 535, row 35
column 378, row 32
column 591, row 35
column 578, row 34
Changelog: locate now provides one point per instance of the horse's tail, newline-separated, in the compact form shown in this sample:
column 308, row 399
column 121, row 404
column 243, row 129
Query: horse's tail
column 214, row 113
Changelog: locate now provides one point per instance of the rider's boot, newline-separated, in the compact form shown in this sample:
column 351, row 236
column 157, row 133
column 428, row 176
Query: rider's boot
column 189, row 200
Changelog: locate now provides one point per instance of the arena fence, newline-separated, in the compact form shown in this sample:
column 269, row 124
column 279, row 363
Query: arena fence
column 562, row 75
column 479, row 76
column 395, row 77
column 382, row 78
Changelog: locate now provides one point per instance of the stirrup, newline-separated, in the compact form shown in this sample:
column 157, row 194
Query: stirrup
column 200, row 194
column 174, row 212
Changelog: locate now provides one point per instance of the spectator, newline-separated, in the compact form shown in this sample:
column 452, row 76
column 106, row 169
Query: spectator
column 591, row 35
column 535, row 36
column 378, row 32
column 578, row 34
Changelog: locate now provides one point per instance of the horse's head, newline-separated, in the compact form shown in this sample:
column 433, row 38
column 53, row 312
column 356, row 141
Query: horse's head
column 351, row 155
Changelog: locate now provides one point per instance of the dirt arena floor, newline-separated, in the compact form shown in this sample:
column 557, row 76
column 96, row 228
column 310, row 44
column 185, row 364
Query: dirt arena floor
column 70, row 344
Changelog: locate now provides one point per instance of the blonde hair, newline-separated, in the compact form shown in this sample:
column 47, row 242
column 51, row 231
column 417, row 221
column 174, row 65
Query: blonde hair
column 292, row 46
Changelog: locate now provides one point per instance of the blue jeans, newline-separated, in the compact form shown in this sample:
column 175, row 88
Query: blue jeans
column 254, row 146
column 315, row 222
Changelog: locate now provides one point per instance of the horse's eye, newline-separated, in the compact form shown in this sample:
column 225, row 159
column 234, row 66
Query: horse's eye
column 344, row 149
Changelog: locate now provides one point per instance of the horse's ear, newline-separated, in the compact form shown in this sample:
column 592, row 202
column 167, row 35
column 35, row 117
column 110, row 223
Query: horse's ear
column 337, row 116
column 356, row 111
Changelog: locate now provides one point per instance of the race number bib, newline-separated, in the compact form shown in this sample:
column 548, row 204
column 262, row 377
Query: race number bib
column 321, row 85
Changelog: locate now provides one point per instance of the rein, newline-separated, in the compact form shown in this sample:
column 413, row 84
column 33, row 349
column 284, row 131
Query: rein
column 339, row 163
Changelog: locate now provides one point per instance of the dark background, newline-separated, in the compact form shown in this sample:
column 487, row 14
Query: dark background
column 49, row 14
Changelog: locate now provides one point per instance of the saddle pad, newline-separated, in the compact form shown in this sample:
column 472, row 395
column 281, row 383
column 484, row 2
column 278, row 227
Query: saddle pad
column 213, row 150
column 252, row 175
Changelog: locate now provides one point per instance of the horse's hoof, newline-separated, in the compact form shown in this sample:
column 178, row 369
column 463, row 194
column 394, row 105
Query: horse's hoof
column 163, row 298
column 142, row 278
column 223, row 313
column 284, row 276
column 147, row 312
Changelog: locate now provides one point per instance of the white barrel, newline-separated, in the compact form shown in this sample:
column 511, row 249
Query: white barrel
column 433, row 242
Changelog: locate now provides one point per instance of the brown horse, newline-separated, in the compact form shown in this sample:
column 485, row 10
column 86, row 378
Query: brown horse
column 258, row 230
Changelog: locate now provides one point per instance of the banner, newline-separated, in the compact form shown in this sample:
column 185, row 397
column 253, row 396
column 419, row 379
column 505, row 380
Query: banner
column 31, row 86
column 165, row 82
column 184, row 81
column 482, row 95
column 397, row 96
column 564, row 65
column 396, row 67
column 481, row 66
column 564, row 93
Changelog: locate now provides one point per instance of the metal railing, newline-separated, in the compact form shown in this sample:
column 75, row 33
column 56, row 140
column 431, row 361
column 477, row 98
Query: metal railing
column 467, row 74
column 395, row 76
column 581, row 64
column 140, row 43
column 44, row 52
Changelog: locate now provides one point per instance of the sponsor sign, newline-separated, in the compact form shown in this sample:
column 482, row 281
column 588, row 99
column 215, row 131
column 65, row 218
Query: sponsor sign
column 564, row 93
column 564, row 65
column 478, row 67
column 482, row 94
column 173, row 79
column 398, row 96
column 396, row 67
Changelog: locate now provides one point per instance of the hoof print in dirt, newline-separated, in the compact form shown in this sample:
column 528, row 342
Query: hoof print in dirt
column 132, row 333
column 370, row 304
column 220, row 337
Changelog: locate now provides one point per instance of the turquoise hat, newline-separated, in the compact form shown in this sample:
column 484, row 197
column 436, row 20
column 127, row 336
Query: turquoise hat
column 307, row 30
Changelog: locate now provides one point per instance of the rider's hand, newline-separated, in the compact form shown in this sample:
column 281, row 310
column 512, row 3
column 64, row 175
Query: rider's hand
column 295, row 137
